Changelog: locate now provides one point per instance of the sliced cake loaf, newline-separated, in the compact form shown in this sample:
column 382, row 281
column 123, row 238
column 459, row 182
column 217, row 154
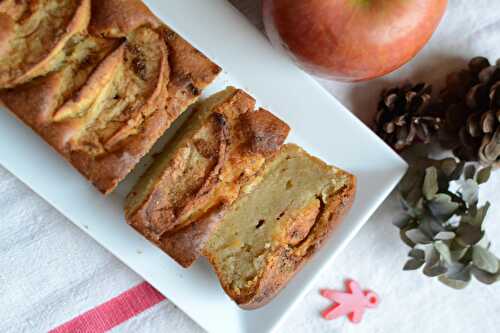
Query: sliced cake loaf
column 268, row 234
column 109, row 90
column 202, row 171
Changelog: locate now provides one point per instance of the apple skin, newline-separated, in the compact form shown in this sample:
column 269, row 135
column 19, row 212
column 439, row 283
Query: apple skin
column 352, row 40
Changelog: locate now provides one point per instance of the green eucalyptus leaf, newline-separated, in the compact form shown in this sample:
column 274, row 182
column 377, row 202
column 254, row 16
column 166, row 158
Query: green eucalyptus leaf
column 430, row 187
column 485, row 260
column 410, row 186
column 404, row 238
column 457, row 173
column 455, row 284
column 460, row 272
column 427, row 225
column 445, row 235
column 413, row 264
column 442, row 207
column 431, row 256
column 407, row 207
column 481, row 214
column 411, row 178
column 417, row 254
column 458, row 276
column 448, row 166
column 469, row 234
column 417, row 236
column 412, row 209
column 414, row 195
column 444, row 251
column 467, row 258
column 485, row 277
column 436, row 227
column 456, row 245
column 484, row 175
column 436, row 270
column 476, row 216
column 469, row 216
column 470, row 171
column 457, row 255
column 443, row 225
column 403, row 222
column 420, row 207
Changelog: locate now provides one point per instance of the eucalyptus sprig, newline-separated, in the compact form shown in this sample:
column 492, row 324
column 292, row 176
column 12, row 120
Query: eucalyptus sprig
column 443, row 222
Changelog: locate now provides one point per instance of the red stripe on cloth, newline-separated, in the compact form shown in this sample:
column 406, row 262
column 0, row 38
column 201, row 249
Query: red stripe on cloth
column 114, row 312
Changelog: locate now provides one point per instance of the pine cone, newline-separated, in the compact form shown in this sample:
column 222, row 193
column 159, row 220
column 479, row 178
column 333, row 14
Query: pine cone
column 472, row 104
column 405, row 115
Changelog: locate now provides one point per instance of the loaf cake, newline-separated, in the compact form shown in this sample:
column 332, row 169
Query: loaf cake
column 99, row 80
column 267, row 235
column 202, row 171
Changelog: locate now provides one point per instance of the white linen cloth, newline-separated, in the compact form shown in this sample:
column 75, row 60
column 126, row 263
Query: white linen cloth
column 51, row 272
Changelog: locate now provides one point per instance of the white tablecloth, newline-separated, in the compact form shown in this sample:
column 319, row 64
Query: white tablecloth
column 51, row 272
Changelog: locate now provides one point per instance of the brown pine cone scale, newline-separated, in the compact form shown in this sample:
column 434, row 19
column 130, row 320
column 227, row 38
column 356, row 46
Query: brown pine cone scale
column 472, row 106
column 405, row 116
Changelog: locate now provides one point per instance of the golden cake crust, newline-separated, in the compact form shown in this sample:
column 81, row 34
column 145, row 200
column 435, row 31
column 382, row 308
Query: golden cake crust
column 302, row 234
column 285, row 264
column 185, row 246
column 179, row 218
column 126, row 43
column 116, row 18
column 34, row 60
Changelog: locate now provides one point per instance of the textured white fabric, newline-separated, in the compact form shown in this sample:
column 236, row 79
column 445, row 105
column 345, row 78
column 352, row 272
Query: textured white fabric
column 50, row 271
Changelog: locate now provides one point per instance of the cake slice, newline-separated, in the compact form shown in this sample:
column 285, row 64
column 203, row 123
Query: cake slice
column 267, row 235
column 202, row 171
column 33, row 34
column 96, row 124
column 115, row 88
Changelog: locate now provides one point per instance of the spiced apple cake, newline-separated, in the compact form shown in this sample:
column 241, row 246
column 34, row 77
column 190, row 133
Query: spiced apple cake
column 99, row 80
column 267, row 235
column 202, row 171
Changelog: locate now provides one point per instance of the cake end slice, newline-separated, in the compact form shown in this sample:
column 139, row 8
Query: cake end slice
column 265, row 238
column 106, row 85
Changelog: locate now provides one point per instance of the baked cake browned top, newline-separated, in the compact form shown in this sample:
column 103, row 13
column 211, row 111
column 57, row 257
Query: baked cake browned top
column 98, row 80
column 266, row 236
column 102, row 80
column 202, row 171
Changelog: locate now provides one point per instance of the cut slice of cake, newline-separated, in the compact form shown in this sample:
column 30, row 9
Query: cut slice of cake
column 202, row 171
column 101, row 122
column 267, row 235
column 97, row 128
column 110, row 90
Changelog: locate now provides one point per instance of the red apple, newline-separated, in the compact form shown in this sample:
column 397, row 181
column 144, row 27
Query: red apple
column 352, row 40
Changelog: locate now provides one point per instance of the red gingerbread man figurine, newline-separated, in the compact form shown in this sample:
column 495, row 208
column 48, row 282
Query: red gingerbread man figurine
column 353, row 303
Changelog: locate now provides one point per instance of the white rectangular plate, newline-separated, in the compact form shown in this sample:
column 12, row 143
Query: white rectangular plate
column 319, row 122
